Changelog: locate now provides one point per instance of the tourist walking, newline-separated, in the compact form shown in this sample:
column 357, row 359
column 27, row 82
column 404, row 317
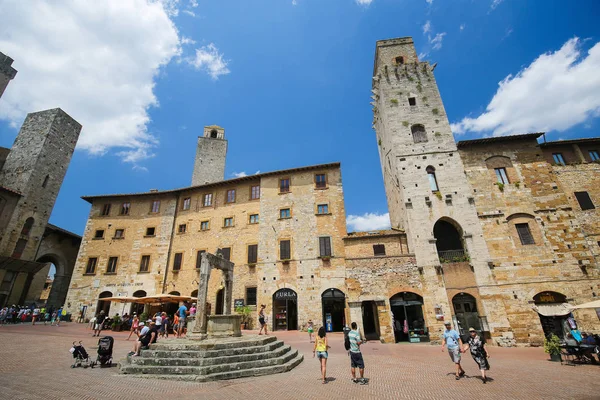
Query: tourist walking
column 478, row 352
column 320, row 351
column 36, row 314
column 310, row 328
column 451, row 339
column 99, row 323
column 135, row 323
column 262, row 320
column 356, row 358
column 59, row 314
column 165, row 325
column 182, row 314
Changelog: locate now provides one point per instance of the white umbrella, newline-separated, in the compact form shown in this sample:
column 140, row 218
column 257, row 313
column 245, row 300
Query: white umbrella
column 591, row 304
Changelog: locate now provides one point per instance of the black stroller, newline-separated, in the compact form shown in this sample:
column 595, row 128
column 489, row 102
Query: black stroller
column 81, row 356
column 105, row 351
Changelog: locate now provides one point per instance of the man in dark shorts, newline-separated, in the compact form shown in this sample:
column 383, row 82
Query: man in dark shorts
column 356, row 359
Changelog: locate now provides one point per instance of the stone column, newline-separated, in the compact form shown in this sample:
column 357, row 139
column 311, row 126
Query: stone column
column 200, row 323
column 228, row 291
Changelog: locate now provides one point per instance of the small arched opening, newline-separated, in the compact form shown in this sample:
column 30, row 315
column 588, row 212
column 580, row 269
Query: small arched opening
column 554, row 311
column 213, row 134
column 137, row 308
column 432, row 179
column 334, row 305
column 102, row 304
column 449, row 242
column 408, row 318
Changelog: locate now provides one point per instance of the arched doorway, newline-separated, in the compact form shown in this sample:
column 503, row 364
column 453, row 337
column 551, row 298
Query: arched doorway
column 220, row 305
column 172, row 307
column 409, row 322
column 56, row 281
column 333, row 304
column 285, row 310
column 103, row 305
column 553, row 309
column 135, row 307
column 465, row 310
column 449, row 242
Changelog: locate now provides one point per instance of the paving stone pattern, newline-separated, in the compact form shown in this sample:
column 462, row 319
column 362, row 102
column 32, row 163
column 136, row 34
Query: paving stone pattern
column 35, row 363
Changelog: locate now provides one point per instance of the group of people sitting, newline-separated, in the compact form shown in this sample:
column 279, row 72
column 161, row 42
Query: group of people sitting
column 590, row 342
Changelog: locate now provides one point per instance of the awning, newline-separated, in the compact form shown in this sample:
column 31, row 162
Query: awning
column 553, row 309
column 591, row 304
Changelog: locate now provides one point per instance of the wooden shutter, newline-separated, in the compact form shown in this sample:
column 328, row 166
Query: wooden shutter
column 252, row 253
column 524, row 234
column 325, row 246
column 284, row 250
column 226, row 253
column 585, row 202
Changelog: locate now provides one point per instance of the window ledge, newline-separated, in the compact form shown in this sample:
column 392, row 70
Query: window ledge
column 97, row 238
column 181, row 233
column 119, row 238
column 229, row 202
column 317, row 214
column 288, row 192
column 325, row 258
column 149, row 236
column 110, row 273
column 252, row 223
column 143, row 272
column 378, row 255
column 204, row 230
column 176, row 271
column 285, row 260
column 284, row 218
column 322, row 188
column 89, row 274
column 252, row 265
column 228, row 226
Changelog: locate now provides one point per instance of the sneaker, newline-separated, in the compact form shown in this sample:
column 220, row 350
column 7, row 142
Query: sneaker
column 130, row 353
column 362, row 381
column 354, row 380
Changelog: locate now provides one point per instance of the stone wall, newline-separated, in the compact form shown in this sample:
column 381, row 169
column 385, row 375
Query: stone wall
column 7, row 72
column 211, row 152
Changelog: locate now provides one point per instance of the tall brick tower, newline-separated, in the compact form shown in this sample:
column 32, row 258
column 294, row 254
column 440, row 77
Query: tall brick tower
column 427, row 192
column 35, row 169
column 7, row 72
column 211, row 152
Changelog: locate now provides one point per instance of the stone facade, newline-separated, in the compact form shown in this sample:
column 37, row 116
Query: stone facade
column 209, row 165
column 7, row 72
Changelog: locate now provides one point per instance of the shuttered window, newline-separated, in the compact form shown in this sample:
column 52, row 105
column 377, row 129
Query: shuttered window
column 91, row 265
column 524, row 234
column 177, row 261
column 199, row 258
column 252, row 253
column 585, row 202
column 226, row 253
column 284, row 250
column 325, row 246
column 379, row 249
column 145, row 264
column 111, row 267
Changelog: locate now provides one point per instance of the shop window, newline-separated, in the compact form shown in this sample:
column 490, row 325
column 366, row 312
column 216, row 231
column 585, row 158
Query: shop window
column 230, row 196
column 145, row 264
column 419, row 133
column 432, row 179
column 501, row 175
column 524, row 233
column 187, row 202
column 323, row 209
column 379, row 249
column 199, row 259
column 177, row 260
column 105, row 210
column 284, row 250
column 252, row 253
column 325, row 246
column 204, row 226
column 155, row 206
column 228, row 222
column 151, row 231
column 251, row 296
column 255, row 192
column 207, row 200
column 125, row 207
column 111, row 267
column 99, row 234
column 119, row 234
column 284, row 185
column 285, row 213
column 594, row 155
column 412, row 101
column 226, row 252
column 320, row 181
column 585, row 202
column 558, row 158
column 91, row 265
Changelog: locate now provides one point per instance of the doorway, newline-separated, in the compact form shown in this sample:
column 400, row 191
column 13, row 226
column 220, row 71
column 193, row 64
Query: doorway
column 370, row 320
column 554, row 312
column 285, row 310
column 334, row 304
column 409, row 323
column 103, row 305
column 220, row 302
column 467, row 316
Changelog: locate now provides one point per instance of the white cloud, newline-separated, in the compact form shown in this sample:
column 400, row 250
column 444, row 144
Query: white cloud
column 437, row 40
column 422, row 56
column 555, row 92
column 364, row 2
column 96, row 60
column 294, row 3
column 368, row 222
column 186, row 40
column 209, row 59
column 189, row 12
column 462, row 27
column 427, row 27
column 239, row 174
column 495, row 3
column 429, row 1
column 193, row 3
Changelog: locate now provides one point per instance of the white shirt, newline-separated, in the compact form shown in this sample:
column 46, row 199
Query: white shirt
column 144, row 330
column 158, row 321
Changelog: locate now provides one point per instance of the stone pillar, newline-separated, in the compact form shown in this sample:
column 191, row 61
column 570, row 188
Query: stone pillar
column 228, row 291
column 58, row 293
column 200, row 323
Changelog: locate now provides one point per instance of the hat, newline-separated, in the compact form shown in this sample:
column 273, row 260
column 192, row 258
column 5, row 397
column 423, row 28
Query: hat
column 447, row 323
column 141, row 324
column 471, row 329
column 148, row 321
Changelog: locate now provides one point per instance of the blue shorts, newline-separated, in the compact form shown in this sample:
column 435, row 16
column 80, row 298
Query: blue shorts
column 321, row 354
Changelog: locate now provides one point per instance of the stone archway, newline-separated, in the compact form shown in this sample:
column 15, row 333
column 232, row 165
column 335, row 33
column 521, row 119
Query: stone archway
column 60, row 283
column 449, row 243
column 333, row 303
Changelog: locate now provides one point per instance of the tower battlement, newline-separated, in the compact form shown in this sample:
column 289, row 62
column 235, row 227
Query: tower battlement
column 7, row 72
column 211, row 152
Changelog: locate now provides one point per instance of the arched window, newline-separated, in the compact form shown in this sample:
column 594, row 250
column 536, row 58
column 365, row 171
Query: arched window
column 432, row 180
column 419, row 134
column 213, row 134
column 399, row 60
column 27, row 226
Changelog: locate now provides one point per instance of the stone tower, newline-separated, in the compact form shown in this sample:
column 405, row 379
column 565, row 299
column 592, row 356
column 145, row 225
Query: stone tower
column 35, row 169
column 211, row 152
column 427, row 192
column 7, row 72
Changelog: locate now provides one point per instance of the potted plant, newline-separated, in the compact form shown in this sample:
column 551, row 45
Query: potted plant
column 552, row 347
column 245, row 311
column 116, row 323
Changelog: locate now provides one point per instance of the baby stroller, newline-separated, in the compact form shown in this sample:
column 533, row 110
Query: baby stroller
column 81, row 356
column 105, row 351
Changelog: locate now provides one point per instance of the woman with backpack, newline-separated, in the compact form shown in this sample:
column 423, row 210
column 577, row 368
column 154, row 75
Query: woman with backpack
column 320, row 351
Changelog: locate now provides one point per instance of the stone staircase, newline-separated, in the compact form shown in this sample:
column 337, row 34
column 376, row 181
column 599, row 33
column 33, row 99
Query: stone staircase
column 213, row 359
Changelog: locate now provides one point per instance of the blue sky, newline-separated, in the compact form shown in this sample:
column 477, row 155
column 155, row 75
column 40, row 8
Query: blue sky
column 289, row 81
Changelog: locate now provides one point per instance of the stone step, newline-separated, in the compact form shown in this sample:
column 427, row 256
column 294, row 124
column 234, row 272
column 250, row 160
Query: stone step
column 222, row 344
column 152, row 353
column 171, row 360
column 269, row 370
column 209, row 369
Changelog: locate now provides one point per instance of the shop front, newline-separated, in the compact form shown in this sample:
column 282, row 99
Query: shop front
column 137, row 308
column 408, row 320
column 334, row 305
column 285, row 310
column 554, row 312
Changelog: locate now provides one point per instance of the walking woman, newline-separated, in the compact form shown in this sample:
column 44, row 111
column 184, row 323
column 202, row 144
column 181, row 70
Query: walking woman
column 135, row 323
column 478, row 352
column 262, row 320
column 320, row 351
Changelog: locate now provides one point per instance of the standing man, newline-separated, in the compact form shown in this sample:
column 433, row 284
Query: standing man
column 356, row 358
column 182, row 313
column 451, row 338
column 99, row 323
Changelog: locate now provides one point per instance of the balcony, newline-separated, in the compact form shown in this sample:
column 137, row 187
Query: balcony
column 453, row 256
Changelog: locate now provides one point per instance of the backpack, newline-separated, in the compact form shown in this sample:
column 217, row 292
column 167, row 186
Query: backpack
column 347, row 342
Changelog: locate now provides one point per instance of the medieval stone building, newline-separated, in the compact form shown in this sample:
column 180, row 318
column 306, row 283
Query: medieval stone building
column 31, row 174
column 498, row 234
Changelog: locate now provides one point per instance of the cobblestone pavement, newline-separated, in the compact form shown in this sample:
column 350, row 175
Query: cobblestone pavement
column 35, row 363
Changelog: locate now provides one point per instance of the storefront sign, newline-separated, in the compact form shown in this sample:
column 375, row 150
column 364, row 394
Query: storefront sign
column 238, row 303
column 285, row 294
column 124, row 284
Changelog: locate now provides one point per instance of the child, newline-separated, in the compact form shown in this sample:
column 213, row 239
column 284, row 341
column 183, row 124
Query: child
column 310, row 330
column 320, row 351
